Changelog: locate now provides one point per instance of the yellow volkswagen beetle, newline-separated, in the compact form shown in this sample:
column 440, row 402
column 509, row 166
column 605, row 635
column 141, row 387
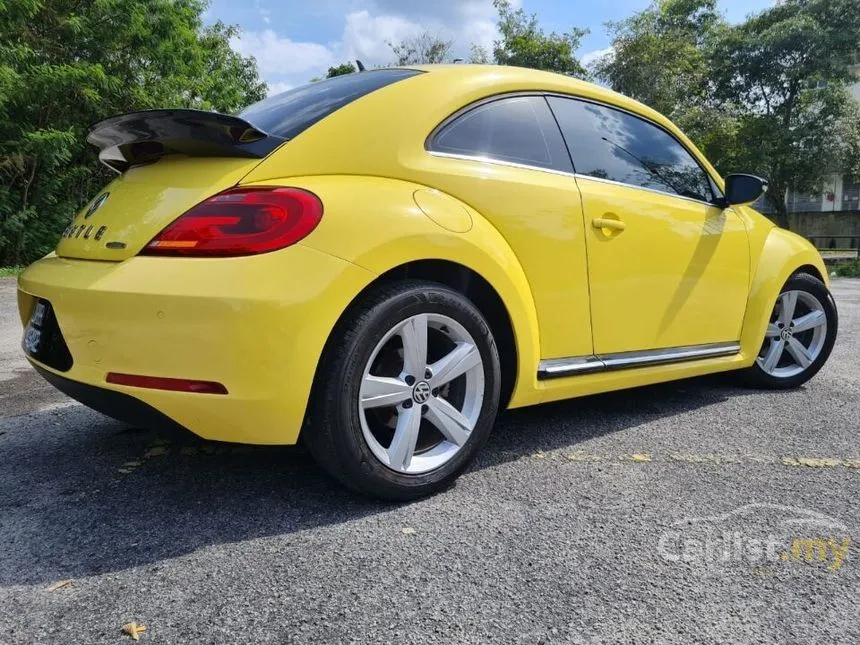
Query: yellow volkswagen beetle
column 380, row 262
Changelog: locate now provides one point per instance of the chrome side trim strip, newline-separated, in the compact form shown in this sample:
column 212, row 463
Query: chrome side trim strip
column 568, row 366
column 559, row 367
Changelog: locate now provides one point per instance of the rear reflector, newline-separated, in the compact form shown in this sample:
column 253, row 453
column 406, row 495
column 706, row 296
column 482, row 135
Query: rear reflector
column 172, row 384
column 240, row 221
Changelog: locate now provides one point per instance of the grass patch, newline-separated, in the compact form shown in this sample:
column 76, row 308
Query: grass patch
column 10, row 272
column 848, row 269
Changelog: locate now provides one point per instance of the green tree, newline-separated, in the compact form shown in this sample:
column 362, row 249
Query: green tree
column 64, row 66
column 341, row 70
column 524, row 43
column 783, row 75
column 766, row 96
column 659, row 56
column 421, row 50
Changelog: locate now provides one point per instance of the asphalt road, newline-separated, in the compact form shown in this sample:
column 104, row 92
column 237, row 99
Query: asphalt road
column 672, row 514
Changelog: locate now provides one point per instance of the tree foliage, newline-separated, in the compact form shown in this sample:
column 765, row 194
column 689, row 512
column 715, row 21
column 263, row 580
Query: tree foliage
column 64, row 66
column 341, row 70
column 658, row 55
column 783, row 75
column 524, row 43
column 766, row 96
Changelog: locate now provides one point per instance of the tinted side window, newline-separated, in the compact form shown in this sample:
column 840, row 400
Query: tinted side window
column 611, row 144
column 291, row 112
column 519, row 129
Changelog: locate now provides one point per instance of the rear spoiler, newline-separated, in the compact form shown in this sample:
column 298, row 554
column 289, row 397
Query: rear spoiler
column 142, row 137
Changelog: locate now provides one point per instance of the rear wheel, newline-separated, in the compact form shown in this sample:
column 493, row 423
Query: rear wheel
column 799, row 336
column 407, row 392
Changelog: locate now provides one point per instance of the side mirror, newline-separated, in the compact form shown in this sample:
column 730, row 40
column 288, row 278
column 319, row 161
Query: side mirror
column 743, row 189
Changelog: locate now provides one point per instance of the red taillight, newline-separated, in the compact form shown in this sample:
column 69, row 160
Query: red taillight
column 161, row 383
column 240, row 221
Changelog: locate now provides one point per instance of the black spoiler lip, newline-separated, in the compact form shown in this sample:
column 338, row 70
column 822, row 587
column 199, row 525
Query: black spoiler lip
column 141, row 137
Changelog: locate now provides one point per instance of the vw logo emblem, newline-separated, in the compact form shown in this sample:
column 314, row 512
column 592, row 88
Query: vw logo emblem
column 97, row 204
column 421, row 392
column 786, row 333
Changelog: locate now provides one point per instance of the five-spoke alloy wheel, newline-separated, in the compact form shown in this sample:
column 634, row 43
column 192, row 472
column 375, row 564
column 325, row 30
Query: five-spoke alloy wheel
column 407, row 391
column 417, row 419
column 799, row 336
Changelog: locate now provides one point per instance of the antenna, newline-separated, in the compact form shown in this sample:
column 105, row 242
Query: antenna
column 360, row 65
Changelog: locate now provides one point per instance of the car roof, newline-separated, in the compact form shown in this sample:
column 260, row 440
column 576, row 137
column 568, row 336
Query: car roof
column 387, row 128
column 532, row 79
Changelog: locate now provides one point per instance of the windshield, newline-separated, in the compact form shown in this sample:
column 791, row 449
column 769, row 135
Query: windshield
column 291, row 112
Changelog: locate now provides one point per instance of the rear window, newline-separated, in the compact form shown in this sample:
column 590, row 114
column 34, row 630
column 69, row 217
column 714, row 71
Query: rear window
column 290, row 113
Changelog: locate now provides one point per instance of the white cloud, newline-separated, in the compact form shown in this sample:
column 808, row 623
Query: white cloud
column 285, row 60
column 591, row 57
column 278, row 87
column 367, row 37
column 278, row 56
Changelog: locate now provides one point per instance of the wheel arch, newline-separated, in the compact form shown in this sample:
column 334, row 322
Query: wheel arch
column 812, row 270
column 783, row 255
column 465, row 281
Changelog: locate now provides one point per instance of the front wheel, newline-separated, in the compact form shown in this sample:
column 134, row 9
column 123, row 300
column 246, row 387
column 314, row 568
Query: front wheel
column 799, row 336
column 407, row 391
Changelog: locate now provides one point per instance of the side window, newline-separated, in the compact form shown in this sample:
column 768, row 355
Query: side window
column 519, row 129
column 611, row 144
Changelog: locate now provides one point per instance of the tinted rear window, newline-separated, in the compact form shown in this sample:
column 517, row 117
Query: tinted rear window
column 518, row 129
column 292, row 112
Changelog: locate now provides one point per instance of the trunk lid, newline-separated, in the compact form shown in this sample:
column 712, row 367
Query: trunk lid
column 169, row 160
column 142, row 201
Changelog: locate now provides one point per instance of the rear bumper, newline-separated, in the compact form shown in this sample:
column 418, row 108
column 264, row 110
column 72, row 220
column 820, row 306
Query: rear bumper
column 256, row 324
column 110, row 402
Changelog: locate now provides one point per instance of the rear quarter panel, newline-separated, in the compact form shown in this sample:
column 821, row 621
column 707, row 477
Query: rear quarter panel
column 375, row 223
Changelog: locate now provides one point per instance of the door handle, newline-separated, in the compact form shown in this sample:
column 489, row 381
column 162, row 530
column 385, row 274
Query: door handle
column 604, row 222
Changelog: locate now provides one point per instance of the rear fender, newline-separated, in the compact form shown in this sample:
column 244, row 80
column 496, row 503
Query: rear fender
column 377, row 224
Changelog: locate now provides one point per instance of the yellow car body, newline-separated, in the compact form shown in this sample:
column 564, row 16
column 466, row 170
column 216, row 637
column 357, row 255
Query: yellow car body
column 681, row 275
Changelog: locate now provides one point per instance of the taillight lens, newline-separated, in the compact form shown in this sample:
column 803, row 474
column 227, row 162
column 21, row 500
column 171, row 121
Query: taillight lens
column 240, row 221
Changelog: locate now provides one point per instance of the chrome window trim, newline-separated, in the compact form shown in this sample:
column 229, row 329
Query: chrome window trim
column 648, row 190
column 575, row 175
column 574, row 365
column 428, row 142
column 499, row 162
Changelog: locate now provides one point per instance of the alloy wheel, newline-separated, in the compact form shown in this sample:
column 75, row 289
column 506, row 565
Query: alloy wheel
column 421, row 393
column 795, row 335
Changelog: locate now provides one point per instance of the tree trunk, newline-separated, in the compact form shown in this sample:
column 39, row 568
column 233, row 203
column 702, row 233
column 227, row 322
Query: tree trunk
column 780, row 216
column 776, row 197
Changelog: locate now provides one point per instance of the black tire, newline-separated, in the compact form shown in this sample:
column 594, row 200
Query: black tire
column 333, row 432
column 755, row 376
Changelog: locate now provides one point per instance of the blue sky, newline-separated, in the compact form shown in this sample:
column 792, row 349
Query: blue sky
column 295, row 40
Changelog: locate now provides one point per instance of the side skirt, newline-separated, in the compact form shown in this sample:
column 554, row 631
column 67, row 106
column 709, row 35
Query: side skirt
column 561, row 367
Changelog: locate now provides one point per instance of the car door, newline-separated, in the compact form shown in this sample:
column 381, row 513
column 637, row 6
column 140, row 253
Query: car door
column 667, row 268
